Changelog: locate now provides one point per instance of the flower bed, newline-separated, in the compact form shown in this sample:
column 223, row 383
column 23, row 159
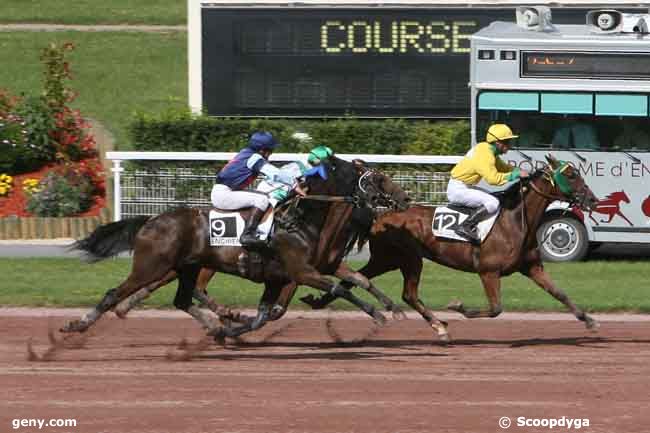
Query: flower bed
column 49, row 165
column 15, row 203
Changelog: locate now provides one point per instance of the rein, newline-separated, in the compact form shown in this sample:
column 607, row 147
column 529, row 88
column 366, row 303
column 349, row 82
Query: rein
column 546, row 196
column 331, row 198
column 543, row 194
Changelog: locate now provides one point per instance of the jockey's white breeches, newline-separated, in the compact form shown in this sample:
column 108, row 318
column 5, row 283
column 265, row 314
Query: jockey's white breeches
column 227, row 199
column 460, row 193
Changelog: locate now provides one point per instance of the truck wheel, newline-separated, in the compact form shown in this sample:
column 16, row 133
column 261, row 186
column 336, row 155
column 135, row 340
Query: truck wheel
column 563, row 240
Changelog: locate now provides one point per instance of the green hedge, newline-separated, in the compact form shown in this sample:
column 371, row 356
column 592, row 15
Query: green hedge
column 181, row 132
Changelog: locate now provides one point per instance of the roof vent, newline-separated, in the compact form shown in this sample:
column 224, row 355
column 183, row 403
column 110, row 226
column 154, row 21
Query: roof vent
column 607, row 21
column 535, row 18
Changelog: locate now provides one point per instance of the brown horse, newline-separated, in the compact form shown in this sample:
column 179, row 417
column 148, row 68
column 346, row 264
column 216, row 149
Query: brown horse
column 175, row 244
column 400, row 240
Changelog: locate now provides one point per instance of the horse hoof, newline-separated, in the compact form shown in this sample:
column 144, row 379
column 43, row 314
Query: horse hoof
column 220, row 340
column 379, row 319
column 444, row 338
column 74, row 326
column 311, row 301
column 455, row 306
column 592, row 325
column 219, row 335
column 121, row 313
column 399, row 314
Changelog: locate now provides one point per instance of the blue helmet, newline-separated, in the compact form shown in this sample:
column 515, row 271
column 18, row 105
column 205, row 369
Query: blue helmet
column 262, row 140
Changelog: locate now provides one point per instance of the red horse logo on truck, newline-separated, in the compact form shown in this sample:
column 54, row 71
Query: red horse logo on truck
column 611, row 206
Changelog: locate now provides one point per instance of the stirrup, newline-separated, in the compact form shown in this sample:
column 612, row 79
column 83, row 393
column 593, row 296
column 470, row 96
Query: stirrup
column 251, row 241
column 471, row 236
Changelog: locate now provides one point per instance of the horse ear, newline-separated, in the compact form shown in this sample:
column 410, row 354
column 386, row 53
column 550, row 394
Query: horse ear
column 552, row 161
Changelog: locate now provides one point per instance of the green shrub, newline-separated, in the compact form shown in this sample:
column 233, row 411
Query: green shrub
column 59, row 196
column 39, row 121
column 183, row 132
column 17, row 153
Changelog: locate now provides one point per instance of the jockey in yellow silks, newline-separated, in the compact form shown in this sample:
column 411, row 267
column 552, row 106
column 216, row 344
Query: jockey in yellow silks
column 482, row 162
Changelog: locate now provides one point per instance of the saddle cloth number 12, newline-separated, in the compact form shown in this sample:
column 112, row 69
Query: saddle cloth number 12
column 446, row 221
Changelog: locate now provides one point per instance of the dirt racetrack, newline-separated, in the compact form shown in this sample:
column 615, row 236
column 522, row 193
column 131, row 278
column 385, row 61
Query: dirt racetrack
column 319, row 374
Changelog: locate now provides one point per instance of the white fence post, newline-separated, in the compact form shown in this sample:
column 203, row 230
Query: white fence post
column 117, row 190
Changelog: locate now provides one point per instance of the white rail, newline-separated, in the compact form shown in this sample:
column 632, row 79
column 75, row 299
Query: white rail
column 118, row 157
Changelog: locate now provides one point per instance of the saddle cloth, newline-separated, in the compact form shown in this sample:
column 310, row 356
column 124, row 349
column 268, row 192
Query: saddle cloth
column 227, row 226
column 447, row 218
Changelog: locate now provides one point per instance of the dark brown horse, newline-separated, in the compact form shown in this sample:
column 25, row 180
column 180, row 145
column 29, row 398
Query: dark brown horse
column 400, row 240
column 175, row 245
column 343, row 224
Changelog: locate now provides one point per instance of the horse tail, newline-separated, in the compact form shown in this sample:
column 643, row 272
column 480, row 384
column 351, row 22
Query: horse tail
column 110, row 239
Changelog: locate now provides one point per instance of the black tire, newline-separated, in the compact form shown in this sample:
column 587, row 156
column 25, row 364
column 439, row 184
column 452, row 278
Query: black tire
column 563, row 239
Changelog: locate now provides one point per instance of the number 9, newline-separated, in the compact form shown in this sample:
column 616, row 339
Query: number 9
column 219, row 227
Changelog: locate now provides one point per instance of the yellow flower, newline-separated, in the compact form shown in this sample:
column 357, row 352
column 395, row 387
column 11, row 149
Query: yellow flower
column 30, row 186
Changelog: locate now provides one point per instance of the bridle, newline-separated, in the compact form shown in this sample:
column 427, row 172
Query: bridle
column 376, row 194
column 366, row 194
column 557, row 180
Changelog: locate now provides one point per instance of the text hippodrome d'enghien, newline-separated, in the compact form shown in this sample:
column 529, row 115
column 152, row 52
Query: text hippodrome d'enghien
column 597, row 168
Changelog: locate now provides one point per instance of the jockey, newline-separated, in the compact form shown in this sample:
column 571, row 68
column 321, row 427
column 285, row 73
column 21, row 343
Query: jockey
column 229, row 193
column 482, row 162
column 278, row 191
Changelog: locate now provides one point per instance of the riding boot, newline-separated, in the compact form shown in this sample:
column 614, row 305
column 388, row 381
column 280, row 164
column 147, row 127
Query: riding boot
column 249, row 236
column 467, row 229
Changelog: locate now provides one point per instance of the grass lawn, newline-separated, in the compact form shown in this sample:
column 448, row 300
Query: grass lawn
column 115, row 73
column 596, row 286
column 169, row 12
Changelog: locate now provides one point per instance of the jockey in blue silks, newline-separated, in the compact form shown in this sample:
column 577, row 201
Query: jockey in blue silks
column 229, row 192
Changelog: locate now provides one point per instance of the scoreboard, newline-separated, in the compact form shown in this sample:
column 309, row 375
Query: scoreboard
column 318, row 62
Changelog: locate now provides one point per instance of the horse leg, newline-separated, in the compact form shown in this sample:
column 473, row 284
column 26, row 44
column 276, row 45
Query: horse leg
column 411, row 272
column 619, row 213
column 359, row 278
column 281, row 300
column 131, row 301
column 200, row 293
column 114, row 296
column 492, row 286
column 272, row 292
column 372, row 269
column 183, row 300
column 314, row 279
column 537, row 273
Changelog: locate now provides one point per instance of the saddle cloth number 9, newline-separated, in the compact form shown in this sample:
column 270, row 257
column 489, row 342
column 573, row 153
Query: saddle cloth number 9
column 224, row 227
column 224, row 230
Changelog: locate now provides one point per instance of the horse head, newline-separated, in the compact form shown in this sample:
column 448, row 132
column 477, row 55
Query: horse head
column 363, row 186
column 620, row 196
column 568, row 184
column 379, row 189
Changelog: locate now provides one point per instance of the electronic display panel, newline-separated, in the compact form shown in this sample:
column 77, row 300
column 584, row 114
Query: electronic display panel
column 372, row 62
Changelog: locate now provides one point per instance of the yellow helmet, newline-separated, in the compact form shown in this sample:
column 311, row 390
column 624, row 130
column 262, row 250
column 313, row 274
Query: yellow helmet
column 499, row 132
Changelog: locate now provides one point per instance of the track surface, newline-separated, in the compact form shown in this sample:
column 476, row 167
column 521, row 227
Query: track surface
column 294, row 376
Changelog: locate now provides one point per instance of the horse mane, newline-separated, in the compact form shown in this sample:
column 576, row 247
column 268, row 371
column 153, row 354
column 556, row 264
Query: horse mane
column 342, row 181
column 511, row 197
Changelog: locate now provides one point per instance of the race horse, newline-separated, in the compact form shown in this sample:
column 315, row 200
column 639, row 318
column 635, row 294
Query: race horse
column 175, row 244
column 400, row 240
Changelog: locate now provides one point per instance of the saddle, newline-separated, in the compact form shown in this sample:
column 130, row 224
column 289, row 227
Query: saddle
column 226, row 226
column 446, row 220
